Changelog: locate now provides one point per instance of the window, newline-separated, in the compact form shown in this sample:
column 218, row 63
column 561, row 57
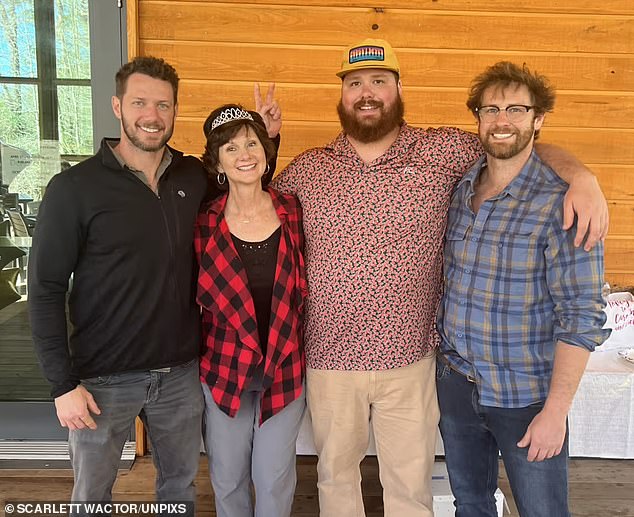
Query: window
column 45, row 90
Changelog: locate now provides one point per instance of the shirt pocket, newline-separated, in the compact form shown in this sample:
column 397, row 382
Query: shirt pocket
column 456, row 230
column 515, row 262
column 455, row 252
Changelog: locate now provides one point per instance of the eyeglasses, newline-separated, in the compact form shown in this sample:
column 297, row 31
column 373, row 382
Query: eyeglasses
column 514, row 112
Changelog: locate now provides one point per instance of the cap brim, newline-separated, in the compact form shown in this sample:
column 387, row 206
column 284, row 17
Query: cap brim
column 342, row 73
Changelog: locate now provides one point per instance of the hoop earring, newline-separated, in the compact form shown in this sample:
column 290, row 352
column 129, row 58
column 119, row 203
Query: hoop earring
column 221, row 178
column 268, row 168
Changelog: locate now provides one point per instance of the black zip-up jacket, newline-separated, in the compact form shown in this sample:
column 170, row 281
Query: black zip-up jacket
column 132, row 304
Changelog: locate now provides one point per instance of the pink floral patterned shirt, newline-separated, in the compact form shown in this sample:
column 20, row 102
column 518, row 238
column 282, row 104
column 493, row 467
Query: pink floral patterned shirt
column 374, row 239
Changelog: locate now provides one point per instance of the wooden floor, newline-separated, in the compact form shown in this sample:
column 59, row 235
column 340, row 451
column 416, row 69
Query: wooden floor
column 598, row 488
column 20, row 375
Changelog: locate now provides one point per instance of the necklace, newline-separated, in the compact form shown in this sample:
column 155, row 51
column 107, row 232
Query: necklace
column 256, row 208
column 246, row 220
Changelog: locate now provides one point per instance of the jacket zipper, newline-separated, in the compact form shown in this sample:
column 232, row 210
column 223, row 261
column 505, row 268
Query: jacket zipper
column 170, row 239
column 157, row 195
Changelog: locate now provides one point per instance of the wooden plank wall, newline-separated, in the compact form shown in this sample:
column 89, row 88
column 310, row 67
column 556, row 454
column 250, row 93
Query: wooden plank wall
column 585, row 47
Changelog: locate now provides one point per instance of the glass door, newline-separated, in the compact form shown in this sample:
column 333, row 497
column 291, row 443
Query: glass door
column 47, row 124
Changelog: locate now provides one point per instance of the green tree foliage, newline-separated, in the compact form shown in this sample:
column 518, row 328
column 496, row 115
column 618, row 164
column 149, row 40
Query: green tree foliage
column 19, row 103
column 19, row 121
column 72, row 42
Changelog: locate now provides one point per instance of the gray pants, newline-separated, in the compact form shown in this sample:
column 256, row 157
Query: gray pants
column 170, row 405
column 241, row 451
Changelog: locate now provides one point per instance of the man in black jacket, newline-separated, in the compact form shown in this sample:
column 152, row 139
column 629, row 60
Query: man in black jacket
column 121, row 223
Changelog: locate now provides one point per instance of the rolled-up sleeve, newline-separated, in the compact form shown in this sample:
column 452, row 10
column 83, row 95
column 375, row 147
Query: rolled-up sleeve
column 575, row 278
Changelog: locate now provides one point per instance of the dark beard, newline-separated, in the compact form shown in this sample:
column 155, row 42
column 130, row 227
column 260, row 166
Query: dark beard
column 140, row 144
column 367, row 132
column 503, row 152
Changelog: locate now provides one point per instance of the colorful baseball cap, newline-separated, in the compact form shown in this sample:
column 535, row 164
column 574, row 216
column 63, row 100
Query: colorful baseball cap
column 369, row 53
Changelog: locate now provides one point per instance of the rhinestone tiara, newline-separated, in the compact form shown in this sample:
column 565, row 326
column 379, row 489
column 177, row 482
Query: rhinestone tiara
column 230, row 114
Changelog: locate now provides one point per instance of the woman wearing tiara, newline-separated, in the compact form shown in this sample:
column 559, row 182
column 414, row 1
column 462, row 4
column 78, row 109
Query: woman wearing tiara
column 251, row 288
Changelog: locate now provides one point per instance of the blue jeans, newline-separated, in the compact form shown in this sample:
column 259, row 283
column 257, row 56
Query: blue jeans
column 474, row 434
column 170, row 403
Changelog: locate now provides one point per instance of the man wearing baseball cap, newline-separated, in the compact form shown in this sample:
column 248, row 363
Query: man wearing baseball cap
column 370, row 53
column 375, row 205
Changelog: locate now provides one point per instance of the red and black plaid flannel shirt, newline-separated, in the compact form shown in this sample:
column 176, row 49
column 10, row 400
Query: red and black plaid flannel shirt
column 231, row 343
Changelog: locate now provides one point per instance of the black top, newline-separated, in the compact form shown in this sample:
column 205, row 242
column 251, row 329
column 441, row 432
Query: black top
column 132, row 304
column 259, row 260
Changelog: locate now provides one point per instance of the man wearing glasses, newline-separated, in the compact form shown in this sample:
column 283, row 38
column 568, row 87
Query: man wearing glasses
column 521, row 310
column 375, row 204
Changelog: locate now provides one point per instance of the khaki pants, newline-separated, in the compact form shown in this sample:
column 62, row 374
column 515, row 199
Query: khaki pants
column 402, row 407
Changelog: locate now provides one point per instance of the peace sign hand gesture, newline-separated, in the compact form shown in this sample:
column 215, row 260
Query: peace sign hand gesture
column 268, row 109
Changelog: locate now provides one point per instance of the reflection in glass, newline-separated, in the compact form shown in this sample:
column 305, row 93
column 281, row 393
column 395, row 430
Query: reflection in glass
column 17, row 39
column 75, row 119
column 19, row 116
column 60, row 121
column 19, row 127
column 72, row 39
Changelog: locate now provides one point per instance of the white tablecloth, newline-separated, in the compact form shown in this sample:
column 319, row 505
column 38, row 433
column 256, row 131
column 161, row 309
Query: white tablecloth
column 602, row 414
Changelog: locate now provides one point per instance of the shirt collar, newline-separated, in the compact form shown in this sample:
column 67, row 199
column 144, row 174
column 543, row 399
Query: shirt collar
column 406, row 137
column 280, row 203
column 519, row 188
column 165, row 161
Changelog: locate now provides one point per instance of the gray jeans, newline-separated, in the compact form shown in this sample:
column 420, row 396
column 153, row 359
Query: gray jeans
column 170, row 403
column 240, row 451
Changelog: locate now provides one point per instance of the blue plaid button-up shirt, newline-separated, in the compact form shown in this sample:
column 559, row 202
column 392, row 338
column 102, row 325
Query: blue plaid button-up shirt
column 515, row 285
